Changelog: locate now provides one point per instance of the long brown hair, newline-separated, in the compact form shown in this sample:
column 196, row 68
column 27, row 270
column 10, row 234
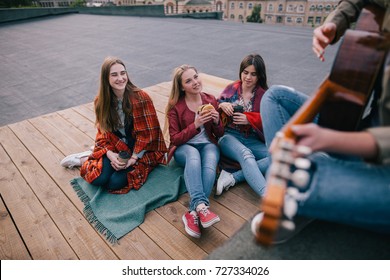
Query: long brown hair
column 176, row 91
column 257, row 61
column 107, row 118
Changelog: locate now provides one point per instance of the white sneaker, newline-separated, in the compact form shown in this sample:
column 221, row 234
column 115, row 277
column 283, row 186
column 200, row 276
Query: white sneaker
column 74, row 159
column 225, row 181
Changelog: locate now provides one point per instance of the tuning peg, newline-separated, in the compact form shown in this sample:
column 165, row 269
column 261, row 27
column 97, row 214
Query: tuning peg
column 304, row 150
column 300, row 178
column 302, row 163
column 290, row 207
column 288, row 225
column 296, row 194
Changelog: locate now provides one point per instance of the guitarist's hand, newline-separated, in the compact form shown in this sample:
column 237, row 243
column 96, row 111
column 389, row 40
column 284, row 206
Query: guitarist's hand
column 359, row 143
column 313, row 136
column 322, row 37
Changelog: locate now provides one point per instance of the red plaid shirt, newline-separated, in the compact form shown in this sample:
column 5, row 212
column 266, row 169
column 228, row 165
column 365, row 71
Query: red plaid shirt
column 148, row 136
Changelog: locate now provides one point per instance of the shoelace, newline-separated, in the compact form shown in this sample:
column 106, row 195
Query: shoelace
column 205, row 211
column 195, row 219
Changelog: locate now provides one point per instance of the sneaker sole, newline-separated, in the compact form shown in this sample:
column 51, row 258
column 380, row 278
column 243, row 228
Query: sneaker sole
column 210, row 223
column 218, row 190
column 188, row 230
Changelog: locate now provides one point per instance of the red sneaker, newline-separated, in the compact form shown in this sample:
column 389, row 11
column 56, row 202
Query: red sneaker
column 207, row 218
column 191, row 224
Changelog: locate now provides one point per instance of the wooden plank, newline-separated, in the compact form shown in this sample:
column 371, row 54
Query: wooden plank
column 85, row 242
column 40, row 234
column 214, row 85
column 171, row 240
column 85, row 110
column 211, row 239
column 66, row 137
column 237, row 204
column 244, row 191
column 79, row 121
column 135, row 245
column 11, row 243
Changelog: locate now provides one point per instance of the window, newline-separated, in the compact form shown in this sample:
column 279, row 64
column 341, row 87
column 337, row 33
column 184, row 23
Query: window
column 320, row 8
column 270, row 7
column 310, row 20
column 299, row 20
column 318, row 20
column 241, row 5
column 232, row 5
column 280, row 8
column 231, row 16
column 279, row 19
column 250, row 6
column 240, row 17
column 289, row 20
column 300, row 8
column 327, row 8
column 312, row 8
column 290, row 8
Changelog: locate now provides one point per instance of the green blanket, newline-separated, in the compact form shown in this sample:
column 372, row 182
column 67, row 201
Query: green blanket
column 115, row 215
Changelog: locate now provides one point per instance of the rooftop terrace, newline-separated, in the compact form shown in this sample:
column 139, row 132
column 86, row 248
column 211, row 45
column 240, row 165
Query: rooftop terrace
column 49, row 70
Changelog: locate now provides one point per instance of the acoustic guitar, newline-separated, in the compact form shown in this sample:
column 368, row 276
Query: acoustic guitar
column 339, row 102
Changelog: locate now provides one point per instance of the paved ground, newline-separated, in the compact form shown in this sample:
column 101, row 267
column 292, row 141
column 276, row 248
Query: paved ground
column 53, row 63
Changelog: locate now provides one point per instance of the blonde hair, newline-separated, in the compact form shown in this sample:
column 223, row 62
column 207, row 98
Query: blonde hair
column 107, row 118
column 176, row 92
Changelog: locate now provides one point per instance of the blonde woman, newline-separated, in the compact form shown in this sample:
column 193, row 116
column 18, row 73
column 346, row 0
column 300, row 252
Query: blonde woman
column 193, row 136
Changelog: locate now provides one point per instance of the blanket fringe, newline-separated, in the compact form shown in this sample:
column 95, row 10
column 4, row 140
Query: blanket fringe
column 90, row 216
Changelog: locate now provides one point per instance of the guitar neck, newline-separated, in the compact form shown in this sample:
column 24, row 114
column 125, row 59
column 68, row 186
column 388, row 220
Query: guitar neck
column 311, row 108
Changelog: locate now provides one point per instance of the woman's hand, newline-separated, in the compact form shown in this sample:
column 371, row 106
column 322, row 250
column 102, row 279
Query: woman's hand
column 240, row 119
column 227, row 108
column 203, row 118
column 115, row 162
column 132, row 161
column 215, row 116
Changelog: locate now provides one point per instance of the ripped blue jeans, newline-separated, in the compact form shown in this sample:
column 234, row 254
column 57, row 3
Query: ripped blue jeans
column 245, row 150
column 200, row 168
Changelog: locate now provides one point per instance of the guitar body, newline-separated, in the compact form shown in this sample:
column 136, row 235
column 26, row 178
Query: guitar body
column 340, row 102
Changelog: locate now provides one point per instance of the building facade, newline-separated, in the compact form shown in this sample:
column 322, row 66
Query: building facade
column 284, row 12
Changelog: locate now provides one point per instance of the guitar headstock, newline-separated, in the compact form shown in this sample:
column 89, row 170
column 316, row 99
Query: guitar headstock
column 288, row 174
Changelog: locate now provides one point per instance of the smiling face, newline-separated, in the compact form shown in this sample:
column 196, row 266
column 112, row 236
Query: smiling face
column 118, row 79
column 249, row 77
column 190, row 82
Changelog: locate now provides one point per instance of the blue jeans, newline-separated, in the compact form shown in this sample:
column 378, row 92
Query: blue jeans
column 110, row 178
column 245, row 150
column 200, row 166
column 345, row 190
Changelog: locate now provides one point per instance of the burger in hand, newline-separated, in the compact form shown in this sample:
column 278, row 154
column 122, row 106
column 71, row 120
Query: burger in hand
column 205, row 108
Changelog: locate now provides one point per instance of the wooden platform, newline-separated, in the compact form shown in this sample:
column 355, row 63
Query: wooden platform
column 41, row 216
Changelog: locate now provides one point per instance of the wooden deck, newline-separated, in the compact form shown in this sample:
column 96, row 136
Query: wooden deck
column 41, row 216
